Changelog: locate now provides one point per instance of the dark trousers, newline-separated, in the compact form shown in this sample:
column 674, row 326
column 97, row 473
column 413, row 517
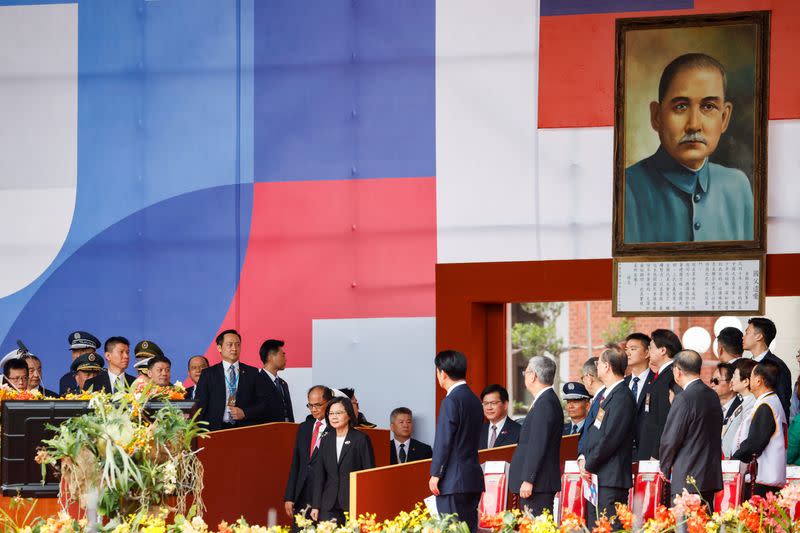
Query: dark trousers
column 606, row 498
column 464, row 504
column 538, row 502
column 762, row 490
column 336, row 515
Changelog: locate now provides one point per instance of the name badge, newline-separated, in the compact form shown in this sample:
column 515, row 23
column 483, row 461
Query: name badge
column 599, row 420
column 647, row 403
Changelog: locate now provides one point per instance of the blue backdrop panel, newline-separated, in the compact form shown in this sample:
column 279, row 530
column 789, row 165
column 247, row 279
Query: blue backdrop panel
column 344, row 89
column 166, row 273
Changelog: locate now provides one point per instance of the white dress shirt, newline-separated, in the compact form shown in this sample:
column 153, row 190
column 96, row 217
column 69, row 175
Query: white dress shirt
column 397, row 444
column 662, row 367
column 538, row 395
column 642, row 379
column 454, row 385
column 112, row 377
column 339, row 445
column 758, row 358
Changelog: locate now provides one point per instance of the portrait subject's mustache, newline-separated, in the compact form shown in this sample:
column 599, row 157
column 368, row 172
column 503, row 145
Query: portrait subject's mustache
column 693, row 138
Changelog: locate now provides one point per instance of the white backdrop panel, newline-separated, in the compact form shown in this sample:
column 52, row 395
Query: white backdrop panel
column 486, row 79
column 299, row 380
column 389, row 362
column 38, row 129
column 574, row 206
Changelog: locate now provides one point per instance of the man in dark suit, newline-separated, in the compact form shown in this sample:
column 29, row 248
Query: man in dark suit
column 300, row 486
column 118, row 355
column 608, row 449
column 403, row 448
column 664, row 344
column 197, row 364
column 721, row 385
column 757, row 337
column 596, row 389
column 456, row 475
column 535, row 473
column 279, row 402
column 499, row 430
column 690, row 443
column 639, row 378
column 578, row 400
column 230, row 394
column 80, row 342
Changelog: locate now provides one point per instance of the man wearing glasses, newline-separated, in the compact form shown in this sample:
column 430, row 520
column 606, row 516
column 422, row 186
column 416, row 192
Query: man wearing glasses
column 15, row 372
column 721, row 384
column 297, row 497
column 499, row 430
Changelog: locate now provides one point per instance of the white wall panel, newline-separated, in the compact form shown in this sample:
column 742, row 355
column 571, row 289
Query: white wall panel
column 38, row 137
column 299, row 380
column 389, row 362
column 486, row 105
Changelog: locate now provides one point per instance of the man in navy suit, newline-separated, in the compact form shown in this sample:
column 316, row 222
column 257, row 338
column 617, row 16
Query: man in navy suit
column 403, row 448
column 578, row 399
column 279, row 403
column 757, row 337
column 456, row 475
column 639, row 378
column 300, row 486
column 535, row 473
column 500, row 430
column 595, row 387
column 230, row 394
column 608, row 449
column 197, row 364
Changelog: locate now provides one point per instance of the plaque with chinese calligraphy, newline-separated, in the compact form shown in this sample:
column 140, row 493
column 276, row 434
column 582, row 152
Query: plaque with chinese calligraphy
column 679, row 286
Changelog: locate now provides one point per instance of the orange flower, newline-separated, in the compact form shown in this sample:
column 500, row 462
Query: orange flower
column 625, row 516
column 602, row 525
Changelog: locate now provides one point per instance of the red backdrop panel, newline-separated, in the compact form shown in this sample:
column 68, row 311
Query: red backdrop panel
column 334, row 249
column 576, row 62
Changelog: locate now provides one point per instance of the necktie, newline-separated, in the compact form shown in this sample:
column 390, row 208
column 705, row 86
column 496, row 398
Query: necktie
column 635, row 388
column 232, row 381
column 402, row 455
column 574, row 428
column 281, row 392
column 493, row 437
column 314, row 437
column 655, row 375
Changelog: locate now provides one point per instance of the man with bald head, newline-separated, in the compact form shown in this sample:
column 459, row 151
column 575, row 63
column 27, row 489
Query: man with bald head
column 691, row 444
column 677, row 194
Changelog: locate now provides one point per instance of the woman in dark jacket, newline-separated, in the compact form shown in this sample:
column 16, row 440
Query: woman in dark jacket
column 342, row 450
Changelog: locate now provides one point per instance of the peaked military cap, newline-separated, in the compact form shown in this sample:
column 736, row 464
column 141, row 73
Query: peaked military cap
column 80, row 339
column 574, row 390
column 88, row 362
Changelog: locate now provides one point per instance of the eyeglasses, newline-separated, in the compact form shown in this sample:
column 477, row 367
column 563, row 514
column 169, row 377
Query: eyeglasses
column 492, row 404
column 717, row 381
column 315, row 405
column 525, row 372
column 337, row 413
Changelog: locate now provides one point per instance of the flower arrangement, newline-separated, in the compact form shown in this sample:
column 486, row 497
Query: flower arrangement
column 7, row 393
column 124, row 459
column 772, row 514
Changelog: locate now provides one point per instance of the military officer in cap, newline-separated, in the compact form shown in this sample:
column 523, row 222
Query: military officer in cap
column 80, row 342
column 143, row 352
column 84, row 368
column 577, row 406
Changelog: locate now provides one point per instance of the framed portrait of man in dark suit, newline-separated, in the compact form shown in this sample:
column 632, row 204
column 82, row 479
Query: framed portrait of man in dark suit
column 690, row 134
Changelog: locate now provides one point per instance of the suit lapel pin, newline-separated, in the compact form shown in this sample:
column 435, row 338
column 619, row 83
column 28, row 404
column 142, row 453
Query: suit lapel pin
column 347, row 442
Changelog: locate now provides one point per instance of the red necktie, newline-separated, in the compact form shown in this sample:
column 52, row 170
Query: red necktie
column 314, row 437
column 655, row 375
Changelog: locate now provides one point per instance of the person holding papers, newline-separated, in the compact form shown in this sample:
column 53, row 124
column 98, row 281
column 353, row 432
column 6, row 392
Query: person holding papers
column 608, row 448
column 535, row 473
column 456, row 475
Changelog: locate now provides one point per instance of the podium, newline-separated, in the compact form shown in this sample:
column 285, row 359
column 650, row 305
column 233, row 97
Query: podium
column 572, row 500
column 647, row 490
column 732, row 487
column 24, row 426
